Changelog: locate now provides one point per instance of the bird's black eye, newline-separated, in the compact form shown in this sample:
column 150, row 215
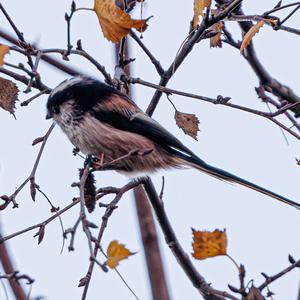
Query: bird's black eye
column 56, row 110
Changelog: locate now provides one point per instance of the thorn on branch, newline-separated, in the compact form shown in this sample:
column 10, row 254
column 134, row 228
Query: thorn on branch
column 83, row 281
column 291, row 259
column 234, row 289
column 161, row 194
column 37, row 141
column 72, row 232
column 40, row 234
column 222, row 100
column 91, row 225
column 73, row 6
column 79, row 45
column 32, row 188
column 6, row 200
column 265, row 275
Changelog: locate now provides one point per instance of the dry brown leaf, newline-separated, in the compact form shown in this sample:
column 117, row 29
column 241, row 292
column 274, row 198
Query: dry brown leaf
column 4, row 49
column 189, row 123
column 254, row 294
column 8, row 94
column 216, row 41
column 199, row 6
column 250, row 34
column 209, row 244
column 115, row 23
column 115, row 253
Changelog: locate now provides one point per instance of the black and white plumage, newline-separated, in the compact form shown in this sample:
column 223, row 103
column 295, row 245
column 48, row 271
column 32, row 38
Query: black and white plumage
column 99, row 119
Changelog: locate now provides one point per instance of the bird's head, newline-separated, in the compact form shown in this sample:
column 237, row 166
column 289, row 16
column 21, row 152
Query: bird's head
column 61, row 94
column 80, row 91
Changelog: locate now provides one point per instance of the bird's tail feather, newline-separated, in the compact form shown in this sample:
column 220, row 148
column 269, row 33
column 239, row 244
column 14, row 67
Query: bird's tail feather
column 199, row 164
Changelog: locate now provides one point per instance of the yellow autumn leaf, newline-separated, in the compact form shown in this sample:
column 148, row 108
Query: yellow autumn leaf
column 4, row 49
column 115, row 253
column 209, row 244
column 115, row 23
column 250, row 34
column 199, row 6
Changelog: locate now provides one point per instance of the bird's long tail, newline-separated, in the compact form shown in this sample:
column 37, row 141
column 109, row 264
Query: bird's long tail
column 201, row 165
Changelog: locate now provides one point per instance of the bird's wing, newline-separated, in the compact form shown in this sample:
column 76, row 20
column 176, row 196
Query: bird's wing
column 125, row 115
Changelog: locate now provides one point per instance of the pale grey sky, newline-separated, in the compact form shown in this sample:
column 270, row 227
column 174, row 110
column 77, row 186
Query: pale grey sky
column 261, row 231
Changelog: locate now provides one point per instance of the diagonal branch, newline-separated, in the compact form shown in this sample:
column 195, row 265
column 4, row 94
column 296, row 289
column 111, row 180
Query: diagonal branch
column 48, row 59
column 187, row 48
column 220, row 100
column 184, row 261
column 270, row 279
column 6, row 261
column 271, row 84
column 31, row 177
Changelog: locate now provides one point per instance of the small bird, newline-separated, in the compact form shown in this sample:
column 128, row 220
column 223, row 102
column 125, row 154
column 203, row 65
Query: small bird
column 101, row 121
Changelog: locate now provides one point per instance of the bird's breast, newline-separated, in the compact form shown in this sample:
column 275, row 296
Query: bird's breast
column 94, row 137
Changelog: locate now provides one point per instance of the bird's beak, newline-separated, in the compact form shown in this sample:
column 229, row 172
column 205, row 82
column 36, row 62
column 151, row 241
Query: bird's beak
column 49, row 115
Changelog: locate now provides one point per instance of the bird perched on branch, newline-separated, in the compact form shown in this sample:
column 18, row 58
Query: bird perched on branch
column 101, row 121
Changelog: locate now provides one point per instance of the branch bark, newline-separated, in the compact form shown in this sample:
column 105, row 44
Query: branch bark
column 8, row 267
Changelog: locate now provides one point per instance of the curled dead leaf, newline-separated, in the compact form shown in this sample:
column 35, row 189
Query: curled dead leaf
column 254, row 294
column 209, row 244
column 115, row 253
column 4, row 49
column 115, row 23
column 189, row 123
column 8, row 95
column 250, row 34
column 215, row 41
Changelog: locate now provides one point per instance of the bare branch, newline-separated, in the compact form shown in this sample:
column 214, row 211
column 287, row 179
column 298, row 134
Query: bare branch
column 197, row 279
column 225, row 101
column 31, row 177
column 85, row 281
column 270, row 279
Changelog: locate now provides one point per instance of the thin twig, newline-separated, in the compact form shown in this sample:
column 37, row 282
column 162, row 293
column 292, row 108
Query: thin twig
column 23, row 43
column 186, row 49
column 224, row 101
column 108, row 212
column 25, row 80
column 32, row 174
column 154, row 61
column 26, row 102
column 273, row 86
column 271, row 279
column 48, row 59
column 41, row 224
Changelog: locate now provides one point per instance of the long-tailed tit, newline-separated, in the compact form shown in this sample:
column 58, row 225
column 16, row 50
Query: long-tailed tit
column 100, row 120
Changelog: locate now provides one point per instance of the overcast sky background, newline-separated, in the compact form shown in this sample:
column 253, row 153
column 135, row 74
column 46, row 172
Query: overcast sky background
column 261, row 231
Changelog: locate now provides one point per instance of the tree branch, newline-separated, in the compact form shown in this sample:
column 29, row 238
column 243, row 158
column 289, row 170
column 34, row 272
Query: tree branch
column 197, row 280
